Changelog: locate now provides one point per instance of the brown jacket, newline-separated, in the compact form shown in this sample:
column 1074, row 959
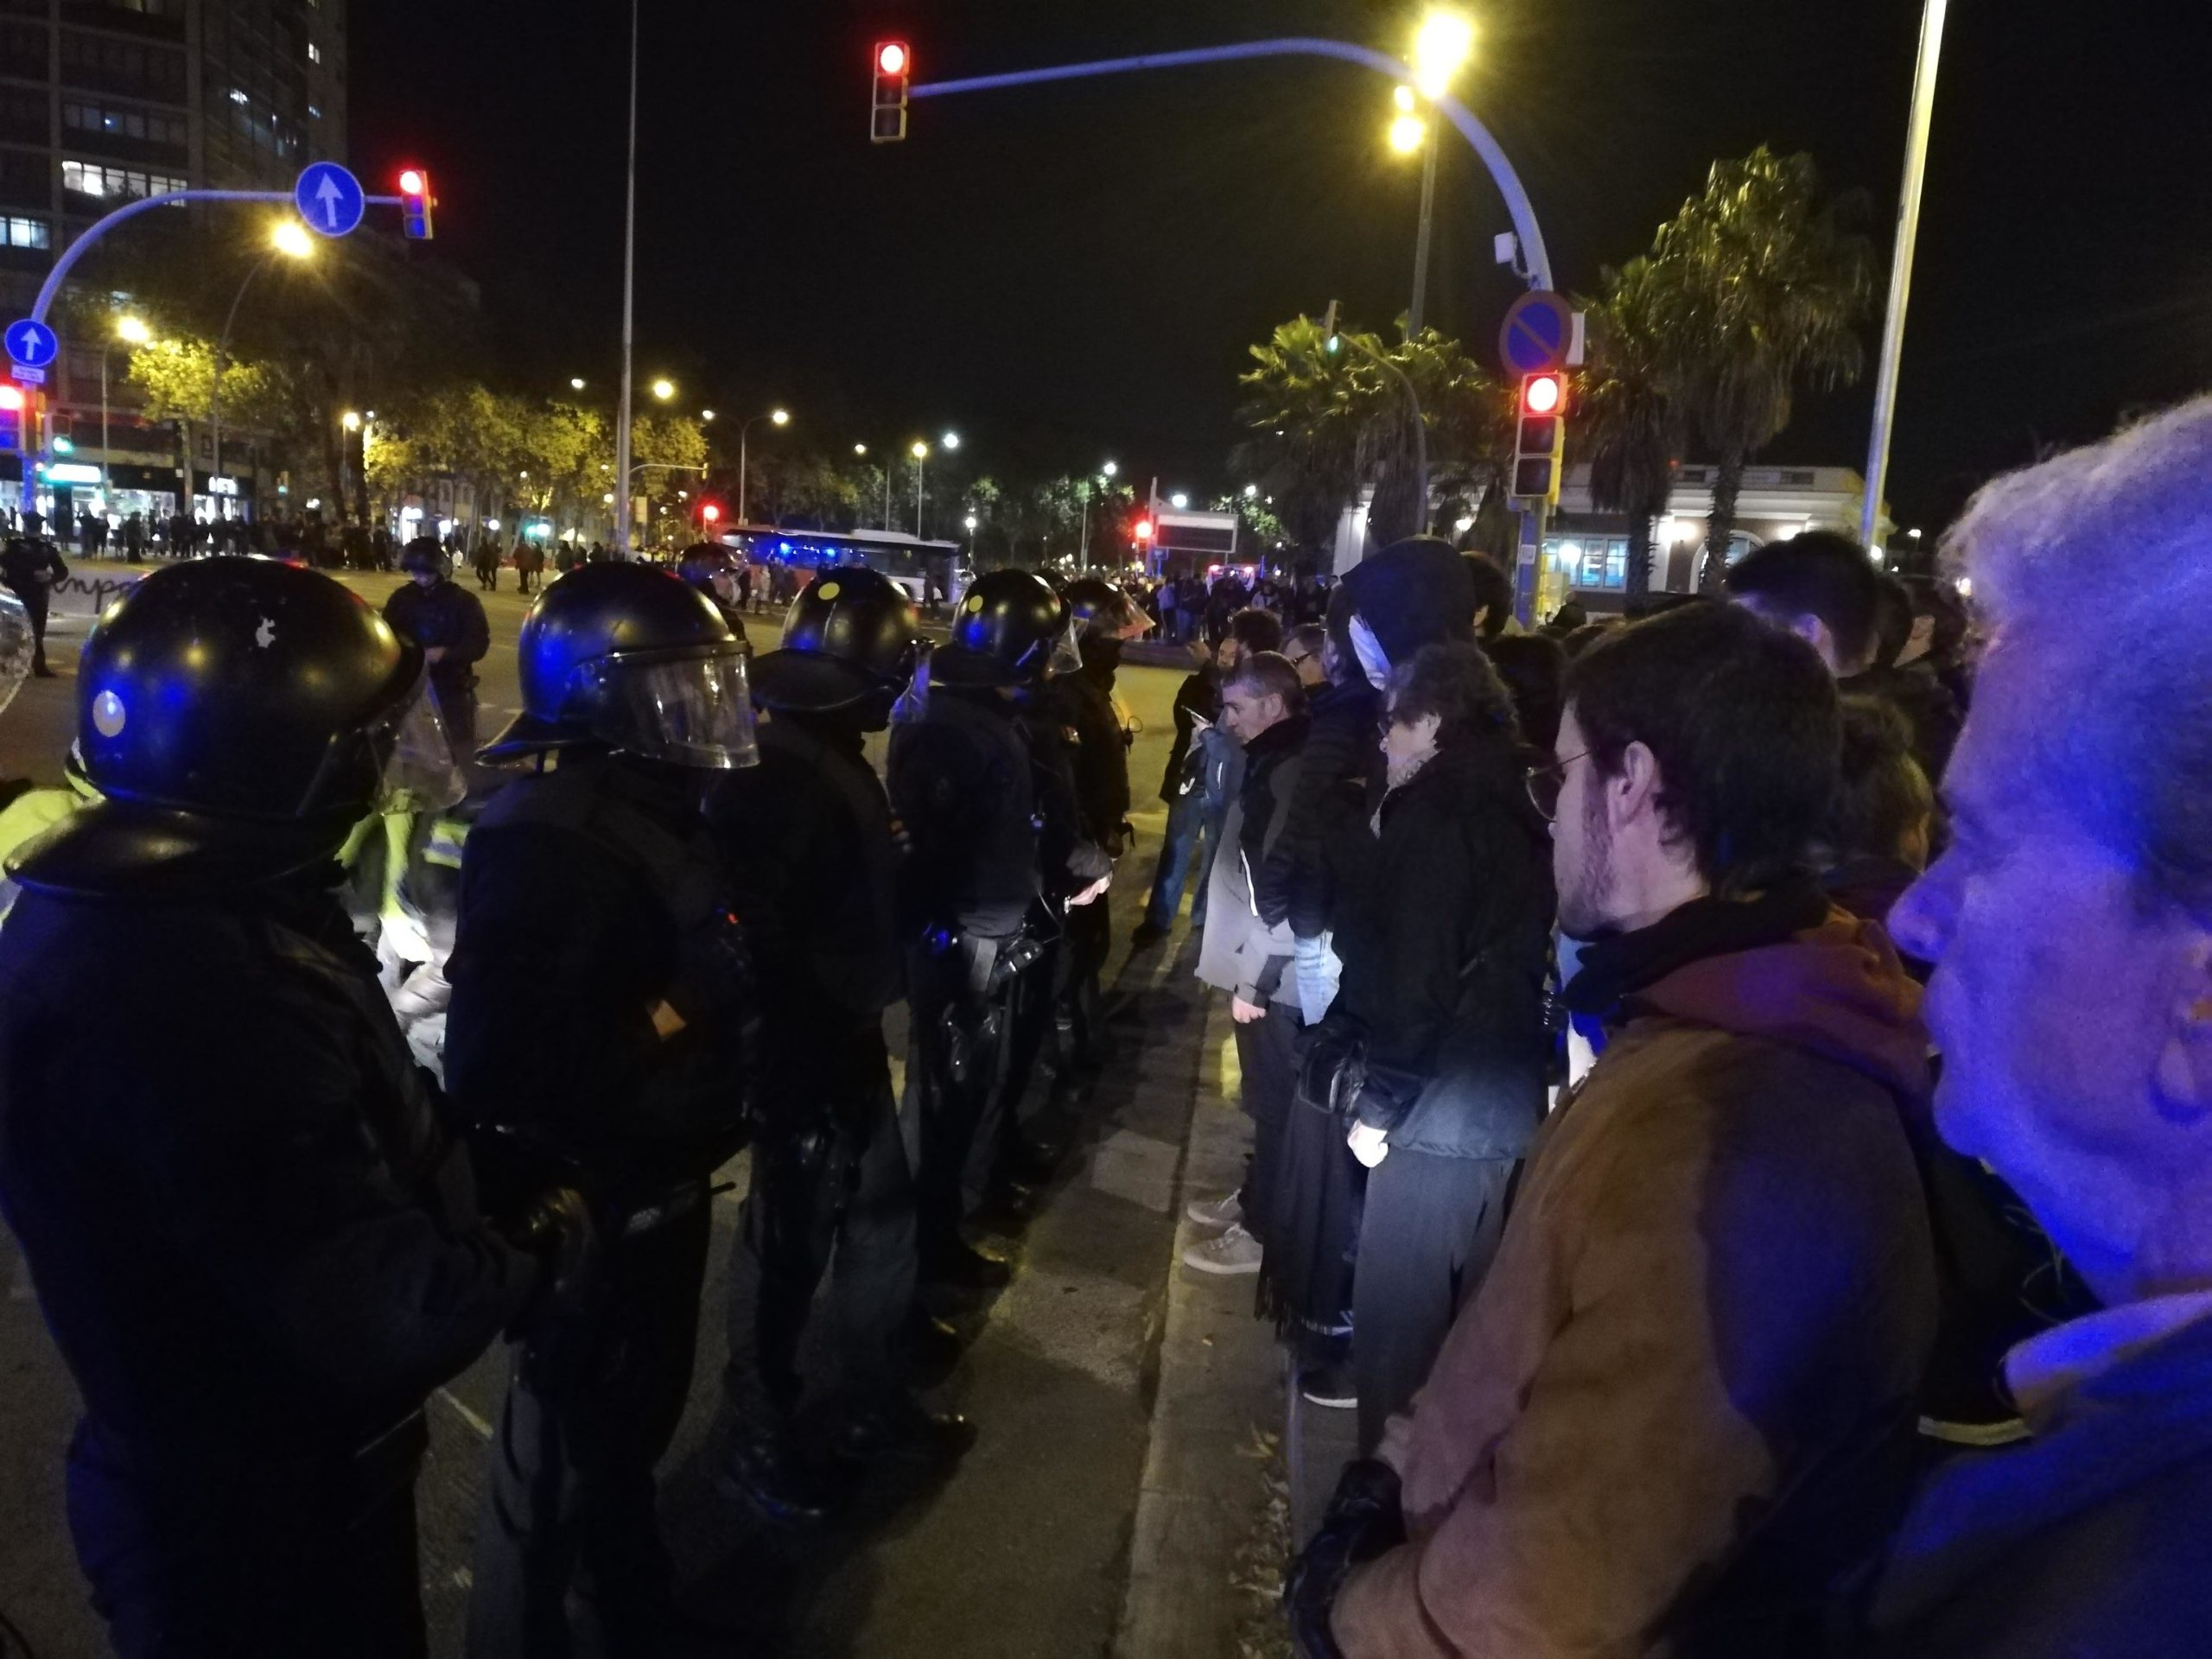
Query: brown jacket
column 1718, row 1266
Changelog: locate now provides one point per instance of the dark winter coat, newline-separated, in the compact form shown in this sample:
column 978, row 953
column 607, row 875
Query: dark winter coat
column 2091, row 1538
column 1098, row 758
column 1240, row 952
column 1321, row 863
column 1444, row 970
column 251, row 1234
column 1198, row 698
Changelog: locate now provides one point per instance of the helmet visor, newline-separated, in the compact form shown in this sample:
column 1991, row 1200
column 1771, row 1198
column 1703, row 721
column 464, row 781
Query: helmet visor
column 16, row 644
column 420, row 773
column 689, row 711
column 1067, row 653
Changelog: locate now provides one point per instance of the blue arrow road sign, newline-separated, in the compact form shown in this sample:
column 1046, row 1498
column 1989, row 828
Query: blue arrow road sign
column 1537, row 332
column 330, row 198
column 32, row 343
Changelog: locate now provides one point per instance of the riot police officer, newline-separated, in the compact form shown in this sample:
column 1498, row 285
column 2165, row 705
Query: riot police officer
column 808, row 835
column 1098, row 758
column 446, row 621
column 599, row 998
column 963, row 781
column 253, row 1241
column 714, row 571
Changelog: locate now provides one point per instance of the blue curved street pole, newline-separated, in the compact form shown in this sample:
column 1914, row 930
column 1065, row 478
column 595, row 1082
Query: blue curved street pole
column 1537, row 260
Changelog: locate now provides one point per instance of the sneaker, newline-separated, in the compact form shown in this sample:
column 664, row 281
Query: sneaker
column 1235, row 1252
column 1328, row 1385
column 1217, row 1213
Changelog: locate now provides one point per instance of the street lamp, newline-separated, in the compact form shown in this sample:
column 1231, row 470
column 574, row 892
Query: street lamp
column 575, row 383
column 951, row 440
column 920, row 453
column 351, row 420
column 1442, row 46
column 706, row 414
column 1110, row 469
column 1251, row 490
column 132, row 331
column 664, row 390
column 775, row 417
column 289, row 240
column 1178, row 501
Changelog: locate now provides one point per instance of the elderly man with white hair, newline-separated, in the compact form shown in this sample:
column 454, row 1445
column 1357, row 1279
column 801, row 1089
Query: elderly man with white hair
column 2071, row 925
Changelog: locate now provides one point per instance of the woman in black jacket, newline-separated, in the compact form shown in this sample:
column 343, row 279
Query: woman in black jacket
column 1444, row 970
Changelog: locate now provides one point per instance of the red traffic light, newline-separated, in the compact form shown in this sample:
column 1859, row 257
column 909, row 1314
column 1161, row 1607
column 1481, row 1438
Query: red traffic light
column 11, row 399
column 1144, row 530
column 415, row 202
column 891, row 57
column 1542, row 394
column 888, row 113
column 710, row 512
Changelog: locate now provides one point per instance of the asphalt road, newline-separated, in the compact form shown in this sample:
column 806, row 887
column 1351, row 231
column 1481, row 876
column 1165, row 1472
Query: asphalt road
column 1024, row 1552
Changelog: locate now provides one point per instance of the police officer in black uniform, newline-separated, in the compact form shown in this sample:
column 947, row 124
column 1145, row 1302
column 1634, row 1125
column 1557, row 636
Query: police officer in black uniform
column 964, row 782
column 446, row 621
column 1098, row 758
column 714, row 571
column 597, row 1027
column 253, row 1239
column 807, row 835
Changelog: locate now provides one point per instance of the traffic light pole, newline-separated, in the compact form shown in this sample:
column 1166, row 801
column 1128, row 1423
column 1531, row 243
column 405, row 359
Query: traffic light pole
column 1500, row 170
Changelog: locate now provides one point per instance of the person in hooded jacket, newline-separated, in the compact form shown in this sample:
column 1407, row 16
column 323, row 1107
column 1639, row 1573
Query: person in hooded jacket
column 258, row 1262
column 1444, row 986
column 1658, row 1425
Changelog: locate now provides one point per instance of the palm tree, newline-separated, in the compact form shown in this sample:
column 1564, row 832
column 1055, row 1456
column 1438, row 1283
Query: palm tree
column 1761, row 285
column 1631, row 428
column 1307, row 406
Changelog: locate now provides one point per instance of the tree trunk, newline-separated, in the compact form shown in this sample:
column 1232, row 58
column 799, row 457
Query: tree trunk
column 1727, row 484
column 1638, row 587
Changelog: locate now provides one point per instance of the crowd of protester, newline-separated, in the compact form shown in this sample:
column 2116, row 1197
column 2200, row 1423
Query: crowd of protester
column 1707, row 1277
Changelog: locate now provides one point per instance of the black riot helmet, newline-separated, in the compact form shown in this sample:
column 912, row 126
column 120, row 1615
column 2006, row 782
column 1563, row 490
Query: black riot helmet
column 629, row 658
column 237, row 716
column 1101, row 610
column 1011, row 629
column 848, row 644
column 423, row 556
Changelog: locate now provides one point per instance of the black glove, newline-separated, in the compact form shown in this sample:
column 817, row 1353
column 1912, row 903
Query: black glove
column 557, row 1229
column 1362, row 1522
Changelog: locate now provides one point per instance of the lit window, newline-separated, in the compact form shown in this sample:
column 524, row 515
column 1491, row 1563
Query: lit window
column 314, row 53
column 24, row 232
column 314, row 114
column 236, row 97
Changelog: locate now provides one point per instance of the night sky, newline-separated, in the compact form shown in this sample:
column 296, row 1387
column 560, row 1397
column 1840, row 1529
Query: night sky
column 1066, row 273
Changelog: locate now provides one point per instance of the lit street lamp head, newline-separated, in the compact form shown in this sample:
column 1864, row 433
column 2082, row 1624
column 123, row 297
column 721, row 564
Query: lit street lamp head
column 706, row 414
column 952, row 440
column 860, row 448
column 664, row 390
column 780, row 416
column 351, row 420
column 1408, row 134
column 290, row 239
column 132, row 331
column 1441, row 48
column 576, row 383
column 920, row 451
column 1110, row 469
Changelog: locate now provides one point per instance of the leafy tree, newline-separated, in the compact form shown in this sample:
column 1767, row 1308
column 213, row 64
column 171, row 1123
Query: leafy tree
column 1758, row 284
column 1308, row 406
column 1632, row 425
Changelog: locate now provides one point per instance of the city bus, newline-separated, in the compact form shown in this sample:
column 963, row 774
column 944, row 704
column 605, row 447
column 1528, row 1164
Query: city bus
column 932, row 573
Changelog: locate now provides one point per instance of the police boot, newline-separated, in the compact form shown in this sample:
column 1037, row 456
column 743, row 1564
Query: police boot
column 761, row 1468
column 904, row 1430
column 961, row 1266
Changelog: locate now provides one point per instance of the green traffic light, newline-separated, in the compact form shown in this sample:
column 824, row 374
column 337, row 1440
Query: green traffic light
column 65, row 446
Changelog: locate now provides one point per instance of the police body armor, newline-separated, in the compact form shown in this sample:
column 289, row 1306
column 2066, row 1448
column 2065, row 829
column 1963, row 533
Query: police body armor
column 684, row 875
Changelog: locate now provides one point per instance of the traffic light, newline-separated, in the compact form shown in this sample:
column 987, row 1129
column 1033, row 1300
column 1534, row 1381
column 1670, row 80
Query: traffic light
column 1143, row 530
column 11, row 418
column 415, row 202
column 61, row 436
column 894, row 65
column 710, row 515
column 1539, row 437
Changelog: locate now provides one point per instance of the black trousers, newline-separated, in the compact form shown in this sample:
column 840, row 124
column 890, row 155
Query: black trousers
column 592, row 1404
column 832, row 1190
column 457, row 711
column 35, row 598
column 247, row 1564
column 1087, row 945
column 1267, row 1054
column 955, row 1071
column 1431, row 1226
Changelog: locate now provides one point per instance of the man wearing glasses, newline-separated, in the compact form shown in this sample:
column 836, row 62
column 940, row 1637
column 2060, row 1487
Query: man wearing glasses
column 1716, row 1289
